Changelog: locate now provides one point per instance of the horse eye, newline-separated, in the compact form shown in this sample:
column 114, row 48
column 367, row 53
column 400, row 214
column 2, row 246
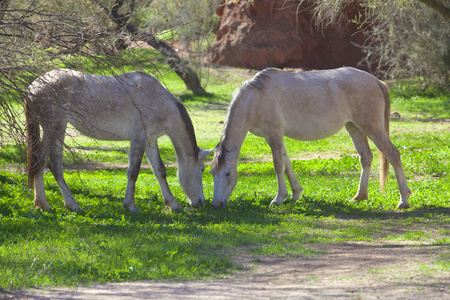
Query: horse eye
column 227, row 174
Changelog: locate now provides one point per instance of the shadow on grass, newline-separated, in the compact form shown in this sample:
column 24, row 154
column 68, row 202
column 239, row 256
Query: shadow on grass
column 311, row 206
column 209, row 100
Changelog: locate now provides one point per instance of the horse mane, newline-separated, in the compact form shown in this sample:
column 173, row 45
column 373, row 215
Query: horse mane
column 256, row 83
column 189, row 127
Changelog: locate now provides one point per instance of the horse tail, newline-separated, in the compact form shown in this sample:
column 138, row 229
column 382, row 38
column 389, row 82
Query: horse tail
column 384, row 164
column 33, row 144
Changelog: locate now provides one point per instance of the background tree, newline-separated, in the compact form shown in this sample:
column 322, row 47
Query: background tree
column 37, row 36
column 405, row 38
column 189, row 23
column 123, row 21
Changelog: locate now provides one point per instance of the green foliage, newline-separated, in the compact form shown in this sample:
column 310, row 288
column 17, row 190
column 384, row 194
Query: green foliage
column 189, row 22
column 419, row 103
column 417, row 44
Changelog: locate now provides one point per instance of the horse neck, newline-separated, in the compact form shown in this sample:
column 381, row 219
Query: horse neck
column 236, row 128
column 184, row 144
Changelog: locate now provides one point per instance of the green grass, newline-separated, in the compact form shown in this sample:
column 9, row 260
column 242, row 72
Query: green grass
column 105, row 243
column 416, row 103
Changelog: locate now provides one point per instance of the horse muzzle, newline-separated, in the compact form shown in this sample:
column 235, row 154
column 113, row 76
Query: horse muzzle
column 198, row 203
column 218, row 204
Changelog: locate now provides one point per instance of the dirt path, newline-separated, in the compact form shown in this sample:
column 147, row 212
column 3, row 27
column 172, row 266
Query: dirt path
column 351, row 270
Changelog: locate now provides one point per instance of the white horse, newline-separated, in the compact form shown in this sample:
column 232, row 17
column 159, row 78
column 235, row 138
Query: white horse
column 133, row 106
column 307, row 106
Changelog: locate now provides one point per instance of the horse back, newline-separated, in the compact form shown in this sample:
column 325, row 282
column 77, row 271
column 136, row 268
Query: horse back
column 317, row 104
column 102, row 107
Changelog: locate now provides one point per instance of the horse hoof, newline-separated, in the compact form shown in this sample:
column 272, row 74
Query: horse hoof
column 218, row 204
column 297, row 195
column 402, row 205
column 43, row 207
column 359, row 198
column 175, row 207
column 199, row 203
column 132, row 207
column 76, row 209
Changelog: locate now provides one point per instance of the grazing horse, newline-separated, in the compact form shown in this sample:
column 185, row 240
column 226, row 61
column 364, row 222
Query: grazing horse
column 133, row 106
column 307, row 106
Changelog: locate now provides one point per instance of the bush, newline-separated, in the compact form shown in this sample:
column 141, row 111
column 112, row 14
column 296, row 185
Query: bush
column 415, row 44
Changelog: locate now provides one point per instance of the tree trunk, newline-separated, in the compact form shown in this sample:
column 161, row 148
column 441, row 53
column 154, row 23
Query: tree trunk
column 180, row 67
column 177, row 64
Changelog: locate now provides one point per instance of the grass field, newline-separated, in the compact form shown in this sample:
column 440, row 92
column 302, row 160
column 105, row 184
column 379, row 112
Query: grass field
column 105, row 243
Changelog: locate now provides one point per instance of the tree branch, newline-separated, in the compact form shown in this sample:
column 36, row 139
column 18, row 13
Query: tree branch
column 3, row 6
column 180, row 67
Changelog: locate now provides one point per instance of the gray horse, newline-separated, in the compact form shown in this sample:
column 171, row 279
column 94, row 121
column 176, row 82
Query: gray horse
column 133, row 106
column 307, row 106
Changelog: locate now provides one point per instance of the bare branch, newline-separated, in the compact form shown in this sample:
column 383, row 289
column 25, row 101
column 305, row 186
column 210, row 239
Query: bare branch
column 3, row 6
column 180, row 67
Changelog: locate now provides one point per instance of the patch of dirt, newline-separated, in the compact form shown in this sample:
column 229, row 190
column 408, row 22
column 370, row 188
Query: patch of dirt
column 351, row 270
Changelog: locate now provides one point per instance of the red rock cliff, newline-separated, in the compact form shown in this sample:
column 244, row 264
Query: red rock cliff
column 278, row 33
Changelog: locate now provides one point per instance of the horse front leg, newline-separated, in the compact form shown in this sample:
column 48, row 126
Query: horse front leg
column 152, row 153
column 276, row 145
column 134, row 166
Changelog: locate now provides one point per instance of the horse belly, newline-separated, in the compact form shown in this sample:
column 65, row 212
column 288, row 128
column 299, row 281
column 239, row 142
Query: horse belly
column 314, row 116
column 313, row 129
column 102, row 130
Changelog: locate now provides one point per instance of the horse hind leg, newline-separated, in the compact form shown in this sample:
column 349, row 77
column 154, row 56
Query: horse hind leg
column 361, row 144
column 385, row 145
column 56, row 167
column 40, row 200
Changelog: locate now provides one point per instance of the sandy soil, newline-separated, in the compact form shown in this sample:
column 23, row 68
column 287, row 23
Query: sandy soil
column 351, row 270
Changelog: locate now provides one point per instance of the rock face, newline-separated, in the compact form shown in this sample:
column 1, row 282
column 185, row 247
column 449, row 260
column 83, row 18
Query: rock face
column 277, row 33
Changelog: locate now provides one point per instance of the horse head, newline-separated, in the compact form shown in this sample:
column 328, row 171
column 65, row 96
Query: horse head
column 190, row 177
column 224, row 171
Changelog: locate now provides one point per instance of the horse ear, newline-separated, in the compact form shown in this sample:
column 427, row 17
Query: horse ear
column 216, row 149
column 202, row 154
